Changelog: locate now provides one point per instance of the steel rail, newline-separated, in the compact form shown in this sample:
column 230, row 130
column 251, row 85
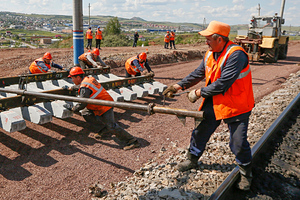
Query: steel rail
column 151, row 108
column 222, row 190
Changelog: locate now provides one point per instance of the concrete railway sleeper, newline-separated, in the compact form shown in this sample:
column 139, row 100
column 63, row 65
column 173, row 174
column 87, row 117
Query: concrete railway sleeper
column 39, row 97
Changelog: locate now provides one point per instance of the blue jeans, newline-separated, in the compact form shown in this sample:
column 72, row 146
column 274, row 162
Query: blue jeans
column 238, row 135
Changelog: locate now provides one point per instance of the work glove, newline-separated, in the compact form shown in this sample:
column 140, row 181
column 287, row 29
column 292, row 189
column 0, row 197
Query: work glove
column 99, row 67
column 68, row 106
column 151, row 73
column 65, row 87
column 192, row 96
column 170, row 91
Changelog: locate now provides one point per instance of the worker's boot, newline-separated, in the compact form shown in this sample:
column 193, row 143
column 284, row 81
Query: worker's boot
column 190, row 163
column 246, row 177
column 133, row 143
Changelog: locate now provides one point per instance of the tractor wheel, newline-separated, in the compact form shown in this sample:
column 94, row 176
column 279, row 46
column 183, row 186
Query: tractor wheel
column 272, row 54
column 283, row 51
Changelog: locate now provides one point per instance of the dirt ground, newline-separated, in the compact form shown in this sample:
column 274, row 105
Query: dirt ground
column 60, row 159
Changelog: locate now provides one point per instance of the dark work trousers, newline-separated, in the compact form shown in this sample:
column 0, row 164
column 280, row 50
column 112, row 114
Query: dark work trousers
column 238, row 135
column 172, row 43
column 129, row 75
column 166, row 45
column 89, row 44
column 108, row 120
column 134, row 43
column 98, row 43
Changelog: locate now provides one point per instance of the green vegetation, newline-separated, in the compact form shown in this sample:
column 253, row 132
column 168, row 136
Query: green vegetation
column 113, row 27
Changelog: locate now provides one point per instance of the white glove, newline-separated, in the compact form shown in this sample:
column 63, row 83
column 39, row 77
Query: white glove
column 192, row 96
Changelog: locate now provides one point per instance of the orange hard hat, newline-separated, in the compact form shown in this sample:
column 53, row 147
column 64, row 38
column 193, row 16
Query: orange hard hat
column 47, row 55
column 143, row 56
column 76, row 71
column 216, row 27
column 168, row 32
column 96, row 51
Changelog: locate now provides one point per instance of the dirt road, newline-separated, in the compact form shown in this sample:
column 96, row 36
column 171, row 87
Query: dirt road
column 60, row 159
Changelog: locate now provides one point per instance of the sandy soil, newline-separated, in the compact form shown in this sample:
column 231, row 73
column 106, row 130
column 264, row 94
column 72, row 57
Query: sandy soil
column 60, row 159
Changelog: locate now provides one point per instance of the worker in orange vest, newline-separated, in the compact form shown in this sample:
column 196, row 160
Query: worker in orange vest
column 167, row 40
column 98, row 116
column 227, row 95
column 98, row 37
column 43, row 65
column 172, row 40
column 137, row 64
column 91, row 60
column 89, row 37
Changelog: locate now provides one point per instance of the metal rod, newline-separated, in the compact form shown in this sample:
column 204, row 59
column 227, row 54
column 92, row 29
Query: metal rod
column 150, row 108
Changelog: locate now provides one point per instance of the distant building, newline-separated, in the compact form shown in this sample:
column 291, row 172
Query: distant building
column 16, row 27
column 46, row 41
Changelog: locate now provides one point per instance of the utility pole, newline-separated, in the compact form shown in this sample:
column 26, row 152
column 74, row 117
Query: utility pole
column 258, row 9
column 89, row 15
column 78, row 40
column 204, row 23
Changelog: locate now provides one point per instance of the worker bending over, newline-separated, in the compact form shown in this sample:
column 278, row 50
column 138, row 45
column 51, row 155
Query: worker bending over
column 98, row 115
column 43, row 65
column 137, row 64
column 91, row 60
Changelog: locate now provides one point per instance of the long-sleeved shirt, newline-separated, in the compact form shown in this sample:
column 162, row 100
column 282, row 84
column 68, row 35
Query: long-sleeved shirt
column 84, row 93
column 44, row 67
column 89, row 57
column 236, row 62
column 137, row 64
column 136, row 36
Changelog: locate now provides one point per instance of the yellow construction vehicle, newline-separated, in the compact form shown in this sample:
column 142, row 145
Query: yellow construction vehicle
column 264, row 40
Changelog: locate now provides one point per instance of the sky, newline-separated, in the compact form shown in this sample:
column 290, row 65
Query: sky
column 232, row 12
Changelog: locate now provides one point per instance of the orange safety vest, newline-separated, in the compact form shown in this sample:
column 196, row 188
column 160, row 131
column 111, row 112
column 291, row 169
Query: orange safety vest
column 172, row 37
column 238, row 99
column 98, row 35
column 130, row 67
column 98, row 93
column 89, row 34
column 83, row 57
column 35, row 69
column 167, row 38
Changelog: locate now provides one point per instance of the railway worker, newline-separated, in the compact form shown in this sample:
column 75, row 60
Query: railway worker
column 172, row 40
column 167, row 40
column 89, row 37
column 91, row 60
column 97, row 115
column 136, row 66
column 227, row 96
column 43, row 65
column 135, row 39
column 98, row 37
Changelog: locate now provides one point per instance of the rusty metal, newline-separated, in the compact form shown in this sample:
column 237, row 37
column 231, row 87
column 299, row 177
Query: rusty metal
column 47, row 76
column 38, row 96
column 24, row 79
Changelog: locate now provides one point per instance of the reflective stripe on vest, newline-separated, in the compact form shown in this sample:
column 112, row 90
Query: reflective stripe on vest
column 242, row 74
column 36, row 69
column 99, row 90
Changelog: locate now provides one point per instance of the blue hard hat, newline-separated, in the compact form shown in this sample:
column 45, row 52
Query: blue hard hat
column 90, row 27
column 98, row 26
